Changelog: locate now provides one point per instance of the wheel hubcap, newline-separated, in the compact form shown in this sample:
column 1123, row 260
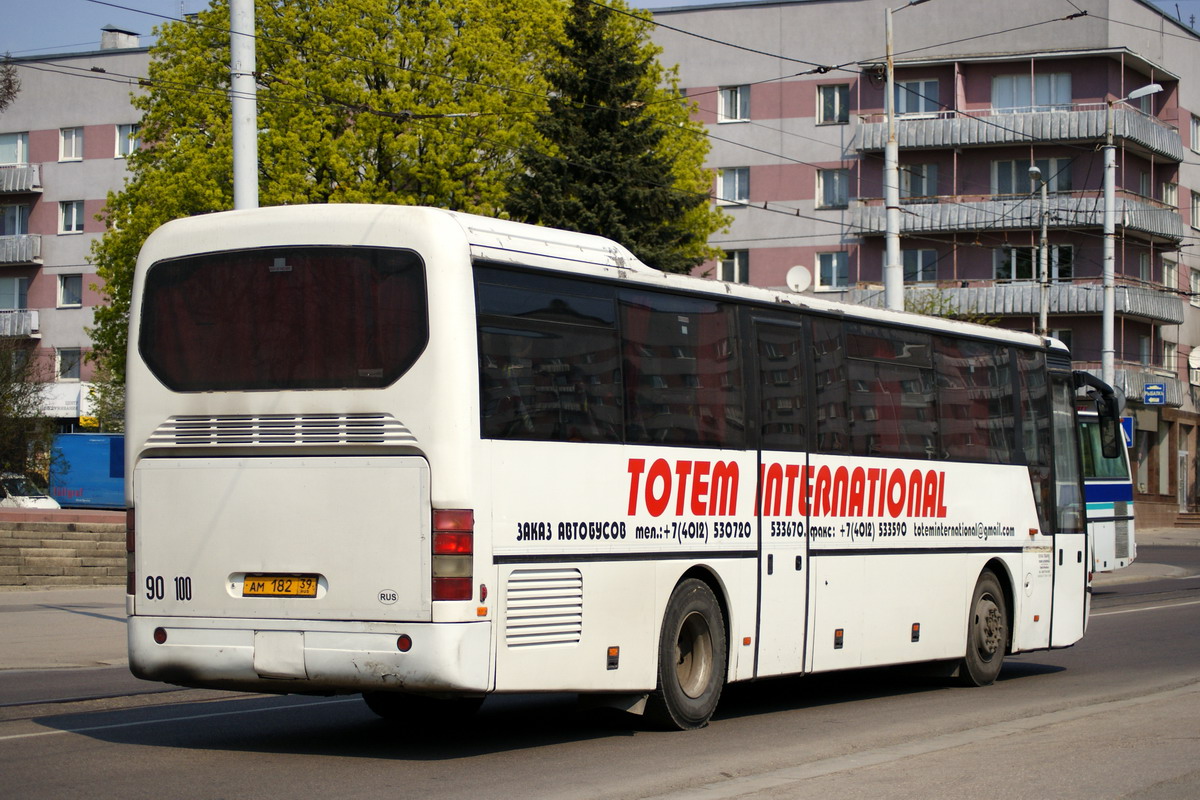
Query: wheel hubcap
column 989, row 627
column 694, row 655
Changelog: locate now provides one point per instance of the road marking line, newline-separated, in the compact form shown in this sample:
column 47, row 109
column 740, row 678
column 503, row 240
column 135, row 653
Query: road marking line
column 776, row 780
column 172, row 719
column 1147, row 608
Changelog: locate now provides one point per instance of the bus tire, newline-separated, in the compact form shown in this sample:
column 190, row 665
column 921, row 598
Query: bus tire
column 430, row 712
column 692, row 656
column 987, row 633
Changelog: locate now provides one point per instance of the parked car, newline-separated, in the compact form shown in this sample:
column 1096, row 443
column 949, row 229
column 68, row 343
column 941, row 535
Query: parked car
column 17, row 491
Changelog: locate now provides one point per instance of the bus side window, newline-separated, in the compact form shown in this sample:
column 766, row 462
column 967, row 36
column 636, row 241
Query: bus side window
column 974, row 381
column 892, row 404
column 682, row 373
column 784, row 411
column 1035, row 439
column 829, row 374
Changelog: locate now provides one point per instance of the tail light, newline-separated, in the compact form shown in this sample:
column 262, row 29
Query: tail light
column 453, row 553
column 130, row 572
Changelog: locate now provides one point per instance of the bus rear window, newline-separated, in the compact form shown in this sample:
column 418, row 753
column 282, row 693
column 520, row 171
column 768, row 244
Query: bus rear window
column 284, row 318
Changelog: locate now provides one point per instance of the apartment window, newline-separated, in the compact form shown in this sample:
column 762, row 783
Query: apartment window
column 733, row 104
column 1012, row 177
column 833, row 188
column 833, row 270
column 918, row 180
column 1021, row 93
column 1144, row 349
column 70, row 144
column 1021, row 263
column 1170, row 276
column 1063, row 335
column 1144, row 184
column 70, row 291
column 70, row 216
column 1194, row 287
column 14, row 293
column 69, row 359
column 14, row 148
column 916, row 97
column 1170, row 356
column 1144, row 267
column 1195, row 133
column 1170, row 194
column 735, row 266
column 14, row 220
column 734, row 185
column 920, row 266
column 1196, row 209
column 833, row 104
column 128, row 139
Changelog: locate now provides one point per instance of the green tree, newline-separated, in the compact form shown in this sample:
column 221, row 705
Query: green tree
column 617, row 154
column 25, row 432
column 373, row 101
column 943, row 303
column 10, row 82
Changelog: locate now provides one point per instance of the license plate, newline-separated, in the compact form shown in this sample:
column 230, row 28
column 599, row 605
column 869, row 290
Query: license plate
column 279, row 586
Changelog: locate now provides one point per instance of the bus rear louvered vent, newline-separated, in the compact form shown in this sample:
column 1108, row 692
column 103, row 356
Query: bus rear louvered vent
column 545, row 607
column 282, row 429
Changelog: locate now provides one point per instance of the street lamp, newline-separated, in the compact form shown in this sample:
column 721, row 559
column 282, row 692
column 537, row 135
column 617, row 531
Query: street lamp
column 1107, row 370
column 893, row 269
column 1035, row 177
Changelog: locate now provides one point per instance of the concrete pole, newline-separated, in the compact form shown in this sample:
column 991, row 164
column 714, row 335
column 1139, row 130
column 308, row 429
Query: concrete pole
column 893, row 268
column 244, row 100
column 1107, row 351
column 1044, row 263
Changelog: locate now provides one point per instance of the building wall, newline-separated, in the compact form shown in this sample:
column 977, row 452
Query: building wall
column 782, row 52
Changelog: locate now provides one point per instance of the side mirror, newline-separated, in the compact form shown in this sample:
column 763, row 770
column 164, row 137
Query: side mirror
column 1108, row 409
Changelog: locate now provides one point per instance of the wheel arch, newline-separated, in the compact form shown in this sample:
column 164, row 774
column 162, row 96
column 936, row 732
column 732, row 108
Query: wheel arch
column 705, row 573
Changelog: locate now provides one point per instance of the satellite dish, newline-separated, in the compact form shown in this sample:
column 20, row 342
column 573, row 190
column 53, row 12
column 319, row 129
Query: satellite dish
column 1194, row 358
column 799, row 279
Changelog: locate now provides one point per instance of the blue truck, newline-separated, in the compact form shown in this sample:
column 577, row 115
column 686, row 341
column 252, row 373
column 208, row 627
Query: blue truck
column 87, row 470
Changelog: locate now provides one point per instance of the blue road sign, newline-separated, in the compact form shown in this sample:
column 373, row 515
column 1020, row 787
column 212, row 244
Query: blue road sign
column 1154, row 394
column 1127, row 429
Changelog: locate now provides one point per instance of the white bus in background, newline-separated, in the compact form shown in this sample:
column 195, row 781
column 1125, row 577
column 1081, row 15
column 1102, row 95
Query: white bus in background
column 429, row 456
column 1108, row 490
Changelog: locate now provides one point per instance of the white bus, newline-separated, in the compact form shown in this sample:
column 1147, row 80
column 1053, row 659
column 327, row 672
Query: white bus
column 429, row 456
column 1108, row 492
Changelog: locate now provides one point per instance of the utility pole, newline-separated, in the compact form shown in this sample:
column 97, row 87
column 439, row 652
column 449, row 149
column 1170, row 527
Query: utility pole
column 893, row 268
column 1035, row 176
column 243, row 92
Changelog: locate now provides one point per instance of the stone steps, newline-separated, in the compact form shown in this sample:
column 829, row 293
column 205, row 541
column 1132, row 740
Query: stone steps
column 61, row 553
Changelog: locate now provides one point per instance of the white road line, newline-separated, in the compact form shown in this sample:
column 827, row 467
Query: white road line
column 1147, row 608
column 188, row 718
column 775, row 783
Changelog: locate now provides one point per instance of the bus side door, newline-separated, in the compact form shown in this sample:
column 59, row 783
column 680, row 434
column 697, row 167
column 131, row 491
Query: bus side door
column 781, row 381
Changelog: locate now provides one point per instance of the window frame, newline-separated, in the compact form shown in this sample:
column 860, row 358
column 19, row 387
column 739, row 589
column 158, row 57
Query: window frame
column 1054, row 81
column 20, row 148
column 62, row 290
column 839, row 263
column 734, row 267
column 740, row 179
column 18, row 215
column 74, row 135
column 916, row 92
column 19, row 293
column 1056, row 251
column 839, row 93
column 926, row 259
column 72, row 212
column 74, row 365
column 840, row 186
column 923, row 175
column 128, row 139
column 737, row 97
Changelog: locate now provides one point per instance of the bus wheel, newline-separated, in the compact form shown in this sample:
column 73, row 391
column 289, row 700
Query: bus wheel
column 691, row 659
column 435, row 712
column 987, row 633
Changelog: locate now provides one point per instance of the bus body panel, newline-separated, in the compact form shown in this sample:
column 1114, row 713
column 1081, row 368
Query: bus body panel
column 209, row 528
column 1070, row 589
column 282, row 655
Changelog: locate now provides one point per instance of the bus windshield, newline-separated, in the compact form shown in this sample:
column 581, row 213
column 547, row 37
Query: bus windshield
column 318, row 318
column 1095, row 465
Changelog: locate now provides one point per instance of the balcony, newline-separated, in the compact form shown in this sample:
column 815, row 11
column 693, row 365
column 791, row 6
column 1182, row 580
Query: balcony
column 1131, row 377
column 20, row 178
column 21, row 323
column 22, row 249
column 1083, row 296
column 1078, row 209
column 987, row 127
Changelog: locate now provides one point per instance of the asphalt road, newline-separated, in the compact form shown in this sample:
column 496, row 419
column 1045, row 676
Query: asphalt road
column 1114, row 716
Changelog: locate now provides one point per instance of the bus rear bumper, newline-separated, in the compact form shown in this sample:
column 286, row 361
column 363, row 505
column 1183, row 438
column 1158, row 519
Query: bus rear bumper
column 324, row 658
